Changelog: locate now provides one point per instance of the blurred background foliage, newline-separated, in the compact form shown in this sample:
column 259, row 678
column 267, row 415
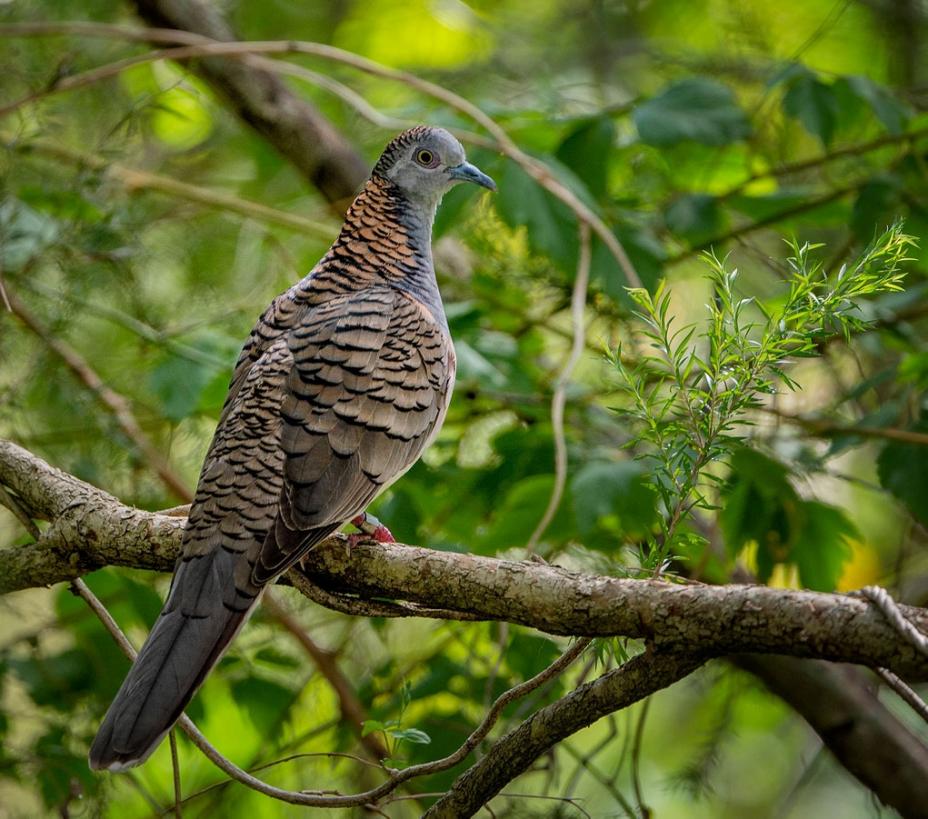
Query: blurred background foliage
column 686, row 125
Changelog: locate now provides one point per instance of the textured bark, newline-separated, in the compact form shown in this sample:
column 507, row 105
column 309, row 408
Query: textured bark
column 514, row 753
column 90, row 529
column 292, row 125
column 854, row 725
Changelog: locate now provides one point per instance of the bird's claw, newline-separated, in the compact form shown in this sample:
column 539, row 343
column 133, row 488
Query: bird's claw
column 370, row 529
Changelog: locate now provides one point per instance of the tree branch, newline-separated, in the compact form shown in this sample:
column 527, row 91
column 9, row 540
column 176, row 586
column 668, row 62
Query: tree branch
column 109, row 399
column 294, row 126
column 856, row 727
column 515, row 752
column 134, row 180
column 90, row 529
column 246, row 51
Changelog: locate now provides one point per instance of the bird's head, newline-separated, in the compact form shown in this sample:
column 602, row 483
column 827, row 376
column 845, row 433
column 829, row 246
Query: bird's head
column 426, row 162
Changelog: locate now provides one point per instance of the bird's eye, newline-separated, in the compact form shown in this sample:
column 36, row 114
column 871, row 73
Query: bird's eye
column 425, row 158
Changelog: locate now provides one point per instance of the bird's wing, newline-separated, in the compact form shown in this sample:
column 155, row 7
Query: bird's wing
column 211, row 593
column 273, row 324
column 370, row 382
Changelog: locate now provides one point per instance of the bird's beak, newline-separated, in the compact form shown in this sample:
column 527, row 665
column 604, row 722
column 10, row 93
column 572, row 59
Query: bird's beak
column 465, row 172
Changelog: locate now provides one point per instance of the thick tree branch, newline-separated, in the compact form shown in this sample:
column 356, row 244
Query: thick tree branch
column 250, row 51
column 864, row 735
column 90, row 529
column 260, row 98
column 515, row 752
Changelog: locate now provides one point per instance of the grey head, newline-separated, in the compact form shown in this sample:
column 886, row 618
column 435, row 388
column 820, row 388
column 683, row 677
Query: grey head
column 426, row 162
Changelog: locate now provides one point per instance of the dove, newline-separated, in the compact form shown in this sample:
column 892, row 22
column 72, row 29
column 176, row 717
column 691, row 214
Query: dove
column 343, row 382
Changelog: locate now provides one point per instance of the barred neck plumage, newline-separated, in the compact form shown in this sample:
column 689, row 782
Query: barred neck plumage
column 386, row 238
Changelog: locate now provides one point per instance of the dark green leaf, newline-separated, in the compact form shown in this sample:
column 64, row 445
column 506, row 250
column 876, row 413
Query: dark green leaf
column 890, row 111
column 695, row 217
column 24, row 232
column 821, row 546
column 410, row 735
column 614, row 488
column 586, row 151
column 903, row 470
column 878, row 203
column 551, row 226
column 814, row 104
column 696, row 109
column 264, row 700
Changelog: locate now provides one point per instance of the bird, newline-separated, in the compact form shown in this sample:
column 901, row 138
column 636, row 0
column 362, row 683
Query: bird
column 341, row 385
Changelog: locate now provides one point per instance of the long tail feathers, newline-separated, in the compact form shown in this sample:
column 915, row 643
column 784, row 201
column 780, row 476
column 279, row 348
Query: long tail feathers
column 202, row 615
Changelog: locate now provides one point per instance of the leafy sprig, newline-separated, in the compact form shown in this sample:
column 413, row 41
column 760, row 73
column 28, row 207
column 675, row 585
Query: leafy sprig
column 692, row 391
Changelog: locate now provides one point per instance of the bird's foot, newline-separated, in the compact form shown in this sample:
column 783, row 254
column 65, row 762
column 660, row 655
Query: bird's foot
column 370, row 529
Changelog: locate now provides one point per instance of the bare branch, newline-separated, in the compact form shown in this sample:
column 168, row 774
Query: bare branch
column 533, row 167
column 865, row 736
column 292, row 124
column 559, row 399
column 397, row 777
column 515, row 752
column 91, row 529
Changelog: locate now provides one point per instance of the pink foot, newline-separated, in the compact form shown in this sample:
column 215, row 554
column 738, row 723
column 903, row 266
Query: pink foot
column 371, row 528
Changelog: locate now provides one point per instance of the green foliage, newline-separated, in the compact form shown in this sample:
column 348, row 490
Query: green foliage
column 685, row 127
column 697, row 110
column 903, row 471
column 693, row 387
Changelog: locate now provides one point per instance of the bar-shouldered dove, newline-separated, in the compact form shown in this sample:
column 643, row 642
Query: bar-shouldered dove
column 343, row 382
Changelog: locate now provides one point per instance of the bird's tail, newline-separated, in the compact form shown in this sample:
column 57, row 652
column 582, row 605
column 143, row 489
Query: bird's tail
column 204, row 611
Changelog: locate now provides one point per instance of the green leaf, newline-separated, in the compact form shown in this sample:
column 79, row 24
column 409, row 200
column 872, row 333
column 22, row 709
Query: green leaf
column 697, row 110
column 586, row 151
column 619, row 488
column 903, row 470
column 58, row 681
column 760, row 506
column 821, row 547
column 550, row 224
column 24, row 233
column 527, row 654
column 475, row 369
column 814, row 104
column 369, row 726
column 185, row 384
column 878, row 202
column 265, row 701
column 519, row 513
column 695, row 217
column 645, row 252
column 60, row 770
column 413, row 735
column 275, row 657
column 890, row 111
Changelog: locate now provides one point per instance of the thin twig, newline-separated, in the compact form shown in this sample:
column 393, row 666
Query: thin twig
column 352, row 710
column 891, row 611
column 397, row 777
column 807, row 204
column 134, row 179
column 10, row 502
column 643, row 810
column 820, row 426
column 112, row 401
column 905, row 692
column 559, row 399
column 175, row 764
column 203, row 47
